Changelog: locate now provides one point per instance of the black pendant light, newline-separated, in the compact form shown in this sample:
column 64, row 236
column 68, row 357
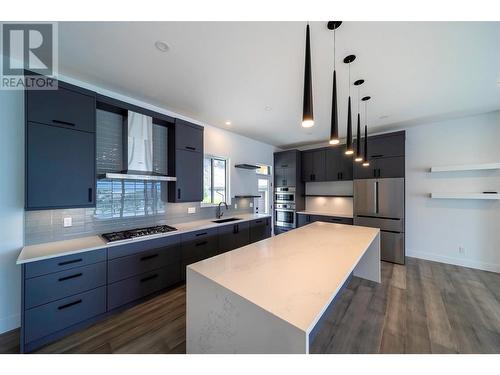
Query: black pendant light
column 334, row 130
column 307, row 113
column 358, row 155
column 349, row 149
column 366, row 163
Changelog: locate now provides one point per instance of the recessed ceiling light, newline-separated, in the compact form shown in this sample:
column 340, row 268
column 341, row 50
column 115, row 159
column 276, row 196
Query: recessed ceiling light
column 268, row 108
column 227, row 123
column 162, row 46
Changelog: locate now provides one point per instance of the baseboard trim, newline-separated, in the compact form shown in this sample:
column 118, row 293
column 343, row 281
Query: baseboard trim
column 8, row 323
column 491, row 267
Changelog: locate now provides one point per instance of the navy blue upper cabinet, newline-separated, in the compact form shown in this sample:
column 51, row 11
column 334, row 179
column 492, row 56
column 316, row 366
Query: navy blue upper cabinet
column 68, row 106
column 60, row 168
column 60, row 148
column 186, row 163
column 313, row 165
column 188, row 136
column 338, row 164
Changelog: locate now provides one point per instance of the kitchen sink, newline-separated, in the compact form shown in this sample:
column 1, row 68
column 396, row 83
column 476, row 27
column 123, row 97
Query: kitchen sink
column 220, row 221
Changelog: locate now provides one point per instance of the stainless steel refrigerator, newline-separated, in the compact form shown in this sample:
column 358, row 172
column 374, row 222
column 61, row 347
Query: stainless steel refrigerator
column 380, row 203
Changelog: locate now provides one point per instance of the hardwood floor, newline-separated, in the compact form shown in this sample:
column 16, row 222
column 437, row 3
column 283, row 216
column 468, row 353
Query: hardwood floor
column 423, row 307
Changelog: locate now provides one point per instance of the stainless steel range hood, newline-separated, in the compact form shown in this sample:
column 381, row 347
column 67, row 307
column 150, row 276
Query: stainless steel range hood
column 138, row 142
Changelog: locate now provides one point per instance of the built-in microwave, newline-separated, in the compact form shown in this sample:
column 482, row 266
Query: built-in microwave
column 284, row 195
column 284, row 215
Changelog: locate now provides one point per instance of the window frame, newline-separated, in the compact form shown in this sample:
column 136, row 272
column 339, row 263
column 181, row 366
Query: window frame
column 227, row 189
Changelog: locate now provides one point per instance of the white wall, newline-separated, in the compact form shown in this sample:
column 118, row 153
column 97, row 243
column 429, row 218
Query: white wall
column 217, row 141
column 11, row 205
column 436, row 228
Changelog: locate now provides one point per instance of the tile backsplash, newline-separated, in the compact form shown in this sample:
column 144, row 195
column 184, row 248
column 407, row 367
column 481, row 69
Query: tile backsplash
column 47, row 225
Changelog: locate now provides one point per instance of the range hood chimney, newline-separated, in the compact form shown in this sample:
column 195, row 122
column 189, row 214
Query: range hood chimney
column 138, row 157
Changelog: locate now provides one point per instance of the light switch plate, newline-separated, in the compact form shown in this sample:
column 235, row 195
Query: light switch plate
column 251, row 204
column 236, row 206
column 191, row 210
column 67, row 222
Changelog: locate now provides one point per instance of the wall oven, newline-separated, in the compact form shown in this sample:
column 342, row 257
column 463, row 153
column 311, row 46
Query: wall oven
column 284, row 215
column 284, row 195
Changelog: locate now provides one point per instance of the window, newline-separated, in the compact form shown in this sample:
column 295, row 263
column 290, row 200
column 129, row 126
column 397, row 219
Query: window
column 264, row 170
column 263, row 204
column 215, row 180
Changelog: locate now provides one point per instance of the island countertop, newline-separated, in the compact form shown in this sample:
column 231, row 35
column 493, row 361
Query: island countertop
column 293, row 276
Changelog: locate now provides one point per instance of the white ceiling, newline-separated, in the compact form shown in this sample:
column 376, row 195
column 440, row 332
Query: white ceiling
column 214, row 72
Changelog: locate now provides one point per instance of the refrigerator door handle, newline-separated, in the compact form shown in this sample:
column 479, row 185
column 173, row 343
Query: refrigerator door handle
column 376, row 197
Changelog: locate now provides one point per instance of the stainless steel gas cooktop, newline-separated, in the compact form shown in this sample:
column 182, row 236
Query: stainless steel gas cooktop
column 136, row 233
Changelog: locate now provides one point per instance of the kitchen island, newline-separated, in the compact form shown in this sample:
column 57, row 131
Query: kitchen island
column 270, row 296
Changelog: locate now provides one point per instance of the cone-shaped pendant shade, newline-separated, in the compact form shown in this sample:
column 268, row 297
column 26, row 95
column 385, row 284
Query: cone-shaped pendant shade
column 349, row 149
column 365, row 153
column 334, row 130
column 307, row 113
column 359, row 156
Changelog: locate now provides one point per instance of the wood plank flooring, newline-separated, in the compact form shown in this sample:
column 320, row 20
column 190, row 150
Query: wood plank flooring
column 423, row 307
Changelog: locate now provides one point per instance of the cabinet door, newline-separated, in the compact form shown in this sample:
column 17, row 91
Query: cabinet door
column 319, row 165
column 61, row 107
column 307, row 166
column 257, row 230
column 333, row 164
column 284, row 177
column 346, row 162
column 302, row 219
column 387, row 145
column 284, row 159
column 188, row 136
column 391, row 167
column 60, row 168
column 361, row 172
column 189, row 173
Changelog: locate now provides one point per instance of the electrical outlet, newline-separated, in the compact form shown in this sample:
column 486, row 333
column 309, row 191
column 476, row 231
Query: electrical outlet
column 251, row 204
column 191, row 210
column 67, row 222
column 461, row 250
column 236, row 206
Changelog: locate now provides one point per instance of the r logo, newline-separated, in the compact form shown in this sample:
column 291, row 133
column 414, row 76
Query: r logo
column 28, row 46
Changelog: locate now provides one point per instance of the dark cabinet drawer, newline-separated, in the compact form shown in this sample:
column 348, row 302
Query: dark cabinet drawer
column 62, row 107
column 54, row 286
column 131, row 289
column 125, row 267
column 60, row 168
column 66, row 262
column 233, row 236
column 188, row 136
column 140, row 246
column 332, row 219
column 199, row 245
column 50, row 318
column 258, row 230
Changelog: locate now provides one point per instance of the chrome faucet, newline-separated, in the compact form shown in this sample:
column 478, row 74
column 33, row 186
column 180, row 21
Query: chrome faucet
column 219, row 213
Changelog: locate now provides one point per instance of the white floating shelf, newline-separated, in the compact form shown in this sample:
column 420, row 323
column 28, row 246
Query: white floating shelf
column 466, row 167
column 464, row 196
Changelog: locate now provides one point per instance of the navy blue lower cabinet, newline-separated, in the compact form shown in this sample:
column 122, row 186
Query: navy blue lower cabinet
column 260, row 229
column 62, row 314
column 44, row 289
column 233, row 236
column 134, row 288
column 303, row 219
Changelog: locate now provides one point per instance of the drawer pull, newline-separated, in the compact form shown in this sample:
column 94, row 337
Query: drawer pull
column 69, row 305
column 147, row 257
column 149, row 278
column 201, row 243
column 63, row 123
column 69, row 262
column 191, row 148
column 258, row 221
column 201, row 234
column 70, row 277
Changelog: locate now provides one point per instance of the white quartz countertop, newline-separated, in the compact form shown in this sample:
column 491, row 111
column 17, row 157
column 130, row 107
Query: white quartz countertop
column 32, row 253
column 348, row 216
column 294, row 275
